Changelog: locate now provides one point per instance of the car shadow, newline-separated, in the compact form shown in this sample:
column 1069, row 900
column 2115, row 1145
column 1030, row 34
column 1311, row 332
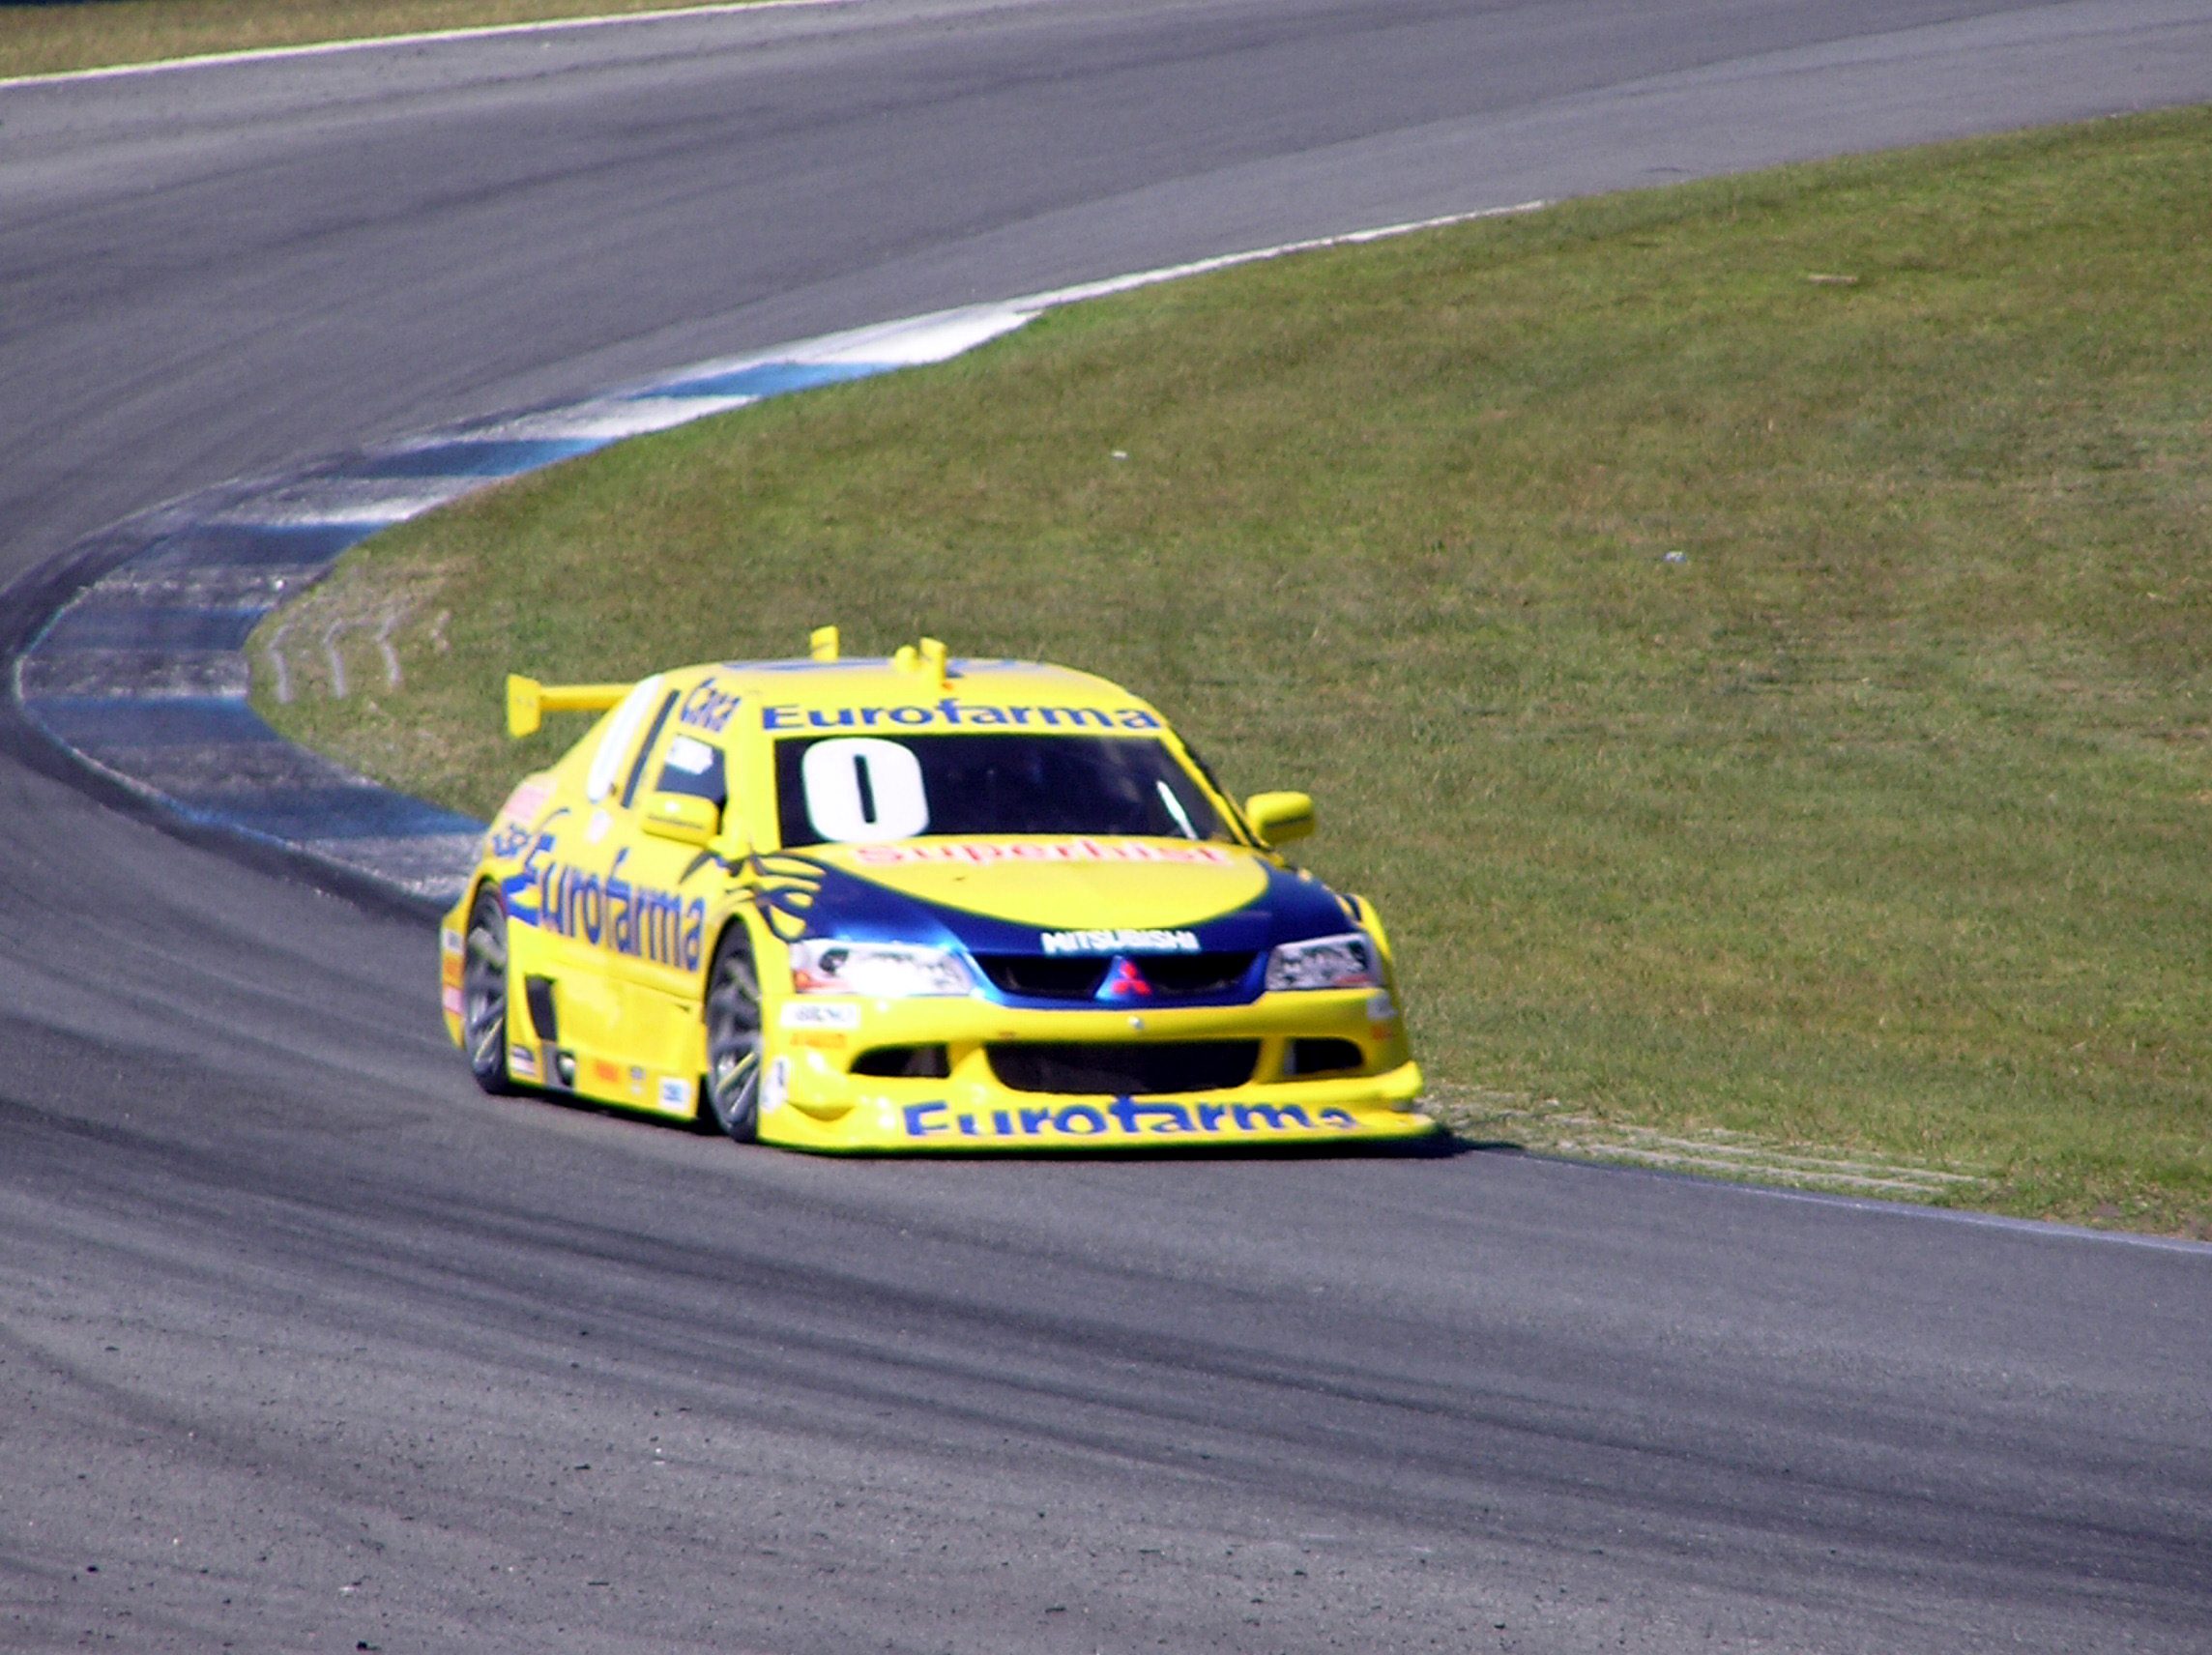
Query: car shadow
column 1437, row 1146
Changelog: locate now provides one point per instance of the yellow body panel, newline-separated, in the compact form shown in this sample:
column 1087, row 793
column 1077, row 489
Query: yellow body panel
column 611, row 927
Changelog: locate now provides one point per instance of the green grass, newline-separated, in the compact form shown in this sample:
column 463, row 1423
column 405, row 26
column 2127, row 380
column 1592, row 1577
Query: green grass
column 100, row 34
column 1876, row 823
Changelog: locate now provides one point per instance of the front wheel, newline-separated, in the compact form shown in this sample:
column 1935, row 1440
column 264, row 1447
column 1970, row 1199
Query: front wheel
column 484, row 994
column 734, row 1038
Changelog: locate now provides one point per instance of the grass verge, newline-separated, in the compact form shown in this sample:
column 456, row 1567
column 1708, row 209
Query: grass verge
column 103, row 34
column 1749, row 637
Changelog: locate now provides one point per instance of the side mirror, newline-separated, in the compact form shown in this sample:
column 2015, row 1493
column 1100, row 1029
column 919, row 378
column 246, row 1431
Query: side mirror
column 682, row 817
column 1278, row 818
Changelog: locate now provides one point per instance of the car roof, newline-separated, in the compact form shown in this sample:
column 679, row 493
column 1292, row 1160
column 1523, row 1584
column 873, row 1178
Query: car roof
column 909, row 681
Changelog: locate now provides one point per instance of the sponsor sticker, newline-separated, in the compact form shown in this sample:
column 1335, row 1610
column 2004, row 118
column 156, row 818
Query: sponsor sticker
column 525, row 803
column 988, row 851
column 450, row 998
column 819, row 1014
column 953, row 713
column 1124, row 1116
column 1119, row 941
column 509, row 832
column 1380, row 1007
column 690, row 755
column 676, row 1093
column 609, row 909
column 775, row 1085
column 707, row 707
column 522, row 1060
column 450, row 940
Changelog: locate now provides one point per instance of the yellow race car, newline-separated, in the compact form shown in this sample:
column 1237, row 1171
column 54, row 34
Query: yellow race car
column 916, row 904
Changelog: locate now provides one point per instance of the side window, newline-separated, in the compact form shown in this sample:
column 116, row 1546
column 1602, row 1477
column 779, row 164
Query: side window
column 615, row 744
column 1214, row 782
column 645, row 749
column 694, row 766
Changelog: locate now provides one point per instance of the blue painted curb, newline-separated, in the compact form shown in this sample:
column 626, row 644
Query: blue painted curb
column 142, row 674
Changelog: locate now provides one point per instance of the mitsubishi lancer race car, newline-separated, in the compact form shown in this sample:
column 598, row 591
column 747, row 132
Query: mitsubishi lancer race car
column 916, row 904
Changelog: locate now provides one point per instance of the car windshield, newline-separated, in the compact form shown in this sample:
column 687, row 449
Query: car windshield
column 868, row 789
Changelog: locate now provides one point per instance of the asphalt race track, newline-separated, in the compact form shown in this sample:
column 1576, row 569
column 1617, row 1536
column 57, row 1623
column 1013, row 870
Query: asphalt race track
column 304, row 1346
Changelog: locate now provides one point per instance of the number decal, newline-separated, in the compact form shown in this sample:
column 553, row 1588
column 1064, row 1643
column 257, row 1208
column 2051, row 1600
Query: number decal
column 862, row 791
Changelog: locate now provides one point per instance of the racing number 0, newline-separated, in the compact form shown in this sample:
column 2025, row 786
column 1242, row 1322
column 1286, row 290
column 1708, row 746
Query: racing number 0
column 862, row 790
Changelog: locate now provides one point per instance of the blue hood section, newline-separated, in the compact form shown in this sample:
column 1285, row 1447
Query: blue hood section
column 1291, row 908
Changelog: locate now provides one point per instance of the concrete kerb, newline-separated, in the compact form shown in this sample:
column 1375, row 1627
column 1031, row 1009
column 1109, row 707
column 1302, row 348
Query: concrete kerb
column 417, row 37
column 142, row 675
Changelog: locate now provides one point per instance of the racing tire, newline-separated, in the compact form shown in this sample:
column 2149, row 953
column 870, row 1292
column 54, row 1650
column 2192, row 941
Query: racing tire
column 733, row 1018
column 484, row 994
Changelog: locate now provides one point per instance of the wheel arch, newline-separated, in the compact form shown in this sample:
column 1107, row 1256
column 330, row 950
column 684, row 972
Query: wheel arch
column 741, row 916
column 477, row 886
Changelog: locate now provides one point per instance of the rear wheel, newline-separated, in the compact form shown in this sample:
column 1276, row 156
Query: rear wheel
column 484, row 994
column 734, row 1038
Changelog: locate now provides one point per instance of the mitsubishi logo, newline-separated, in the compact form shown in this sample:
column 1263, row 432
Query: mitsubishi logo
column 1125, row 981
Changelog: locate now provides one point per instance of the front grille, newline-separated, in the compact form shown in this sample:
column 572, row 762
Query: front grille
column 1186, row 976
column 1064, row 977
column 1044, row 977
column 1124, row 1068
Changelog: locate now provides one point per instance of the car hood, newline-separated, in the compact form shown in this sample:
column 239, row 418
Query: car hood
column 1038, row 893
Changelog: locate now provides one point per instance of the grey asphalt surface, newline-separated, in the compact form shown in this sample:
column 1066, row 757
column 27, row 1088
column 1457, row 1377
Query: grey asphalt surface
column 305, row 1345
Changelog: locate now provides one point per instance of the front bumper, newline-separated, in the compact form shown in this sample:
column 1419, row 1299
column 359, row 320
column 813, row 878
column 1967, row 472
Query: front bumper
column 813, row 1098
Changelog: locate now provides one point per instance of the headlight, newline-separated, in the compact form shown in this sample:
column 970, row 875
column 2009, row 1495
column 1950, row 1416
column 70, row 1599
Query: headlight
column 878, row 970
column 1324, row 962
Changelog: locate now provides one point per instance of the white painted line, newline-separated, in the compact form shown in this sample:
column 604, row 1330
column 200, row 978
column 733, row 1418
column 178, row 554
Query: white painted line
column 911, row 341
column 2043, row 1229
column 610, row 421
column 427, row 37
column 591, row 422
column 2039, row 1226
column 432, row 443
column 925, row 340
column 1227, row 261
column 318, row 502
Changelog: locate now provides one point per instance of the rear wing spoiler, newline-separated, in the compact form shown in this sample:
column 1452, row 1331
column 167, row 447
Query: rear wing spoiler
column 528, row 700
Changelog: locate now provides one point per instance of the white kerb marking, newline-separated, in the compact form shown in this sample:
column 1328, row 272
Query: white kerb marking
column 425, row 37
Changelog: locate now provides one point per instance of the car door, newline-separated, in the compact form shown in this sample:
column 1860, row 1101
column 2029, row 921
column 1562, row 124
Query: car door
column 589, row 997
column 659, row 896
